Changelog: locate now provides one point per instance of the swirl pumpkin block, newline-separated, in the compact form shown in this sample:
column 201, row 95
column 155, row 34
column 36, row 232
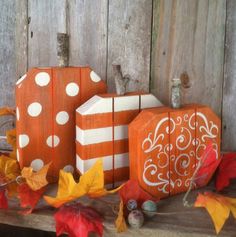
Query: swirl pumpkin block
column 102, row 132
column 46, row 99
column 166, row 145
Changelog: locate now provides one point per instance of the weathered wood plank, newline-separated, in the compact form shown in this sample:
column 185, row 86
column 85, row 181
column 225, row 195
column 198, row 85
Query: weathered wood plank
column 46, row 19
column 229, row 101
column 13, row 51
column 88, row 34
column 129, row 38
column 188, row 37
column 184, row 222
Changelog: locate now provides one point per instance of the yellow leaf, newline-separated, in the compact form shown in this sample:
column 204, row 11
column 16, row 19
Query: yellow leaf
column 7, row 111
column 120, row 221
column 35, row 180
column 90, row 183
column 218, row 207
column 9, row 170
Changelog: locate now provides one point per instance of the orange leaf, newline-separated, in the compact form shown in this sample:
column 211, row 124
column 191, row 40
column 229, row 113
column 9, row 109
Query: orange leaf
column 218, row 207
column 91, row 183
column 120, row 221
column 11, row 139
column 7, row 111
column 35, row 180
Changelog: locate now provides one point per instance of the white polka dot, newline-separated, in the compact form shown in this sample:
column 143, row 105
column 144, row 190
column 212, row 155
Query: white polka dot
column 69, row 169
column 17, row 155
column 72, row 89
column 23, row 140
column 62, row 117
column 34, row 109
column 21, row 79
column 53, row 141
column 94, row 77
column 42, row 78
column 37, row 164
column 17, row 114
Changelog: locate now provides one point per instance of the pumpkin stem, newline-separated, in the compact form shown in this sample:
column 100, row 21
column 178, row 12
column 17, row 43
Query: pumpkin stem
column 63, row 49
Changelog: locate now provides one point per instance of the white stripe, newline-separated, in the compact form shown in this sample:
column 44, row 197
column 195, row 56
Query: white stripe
column 120, row 161
column 93, row 136
column 126, row 103
column 96, row 105
column 120, row 132
column 149, row 101
column 98, row 135
column 85, row 165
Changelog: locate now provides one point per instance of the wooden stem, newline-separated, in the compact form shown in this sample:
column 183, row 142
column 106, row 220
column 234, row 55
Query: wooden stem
column 63, row 49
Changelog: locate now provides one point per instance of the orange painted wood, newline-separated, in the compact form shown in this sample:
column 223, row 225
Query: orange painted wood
column 165, row 146
column 102, row 132
column 46, row 99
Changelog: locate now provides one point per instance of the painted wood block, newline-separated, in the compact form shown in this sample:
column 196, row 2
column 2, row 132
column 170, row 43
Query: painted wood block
column 46, row 99
column 166, row 145
column 102, row 132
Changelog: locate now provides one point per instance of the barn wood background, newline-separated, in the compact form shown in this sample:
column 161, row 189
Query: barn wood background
column 153, row 40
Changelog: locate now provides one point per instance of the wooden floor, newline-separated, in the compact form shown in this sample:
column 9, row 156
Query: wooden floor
column 191, row 222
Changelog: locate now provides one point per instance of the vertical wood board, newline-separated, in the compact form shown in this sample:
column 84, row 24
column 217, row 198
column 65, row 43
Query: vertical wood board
column 88, row 34
column 229, row 95
column 129, row 38
column 188, row 38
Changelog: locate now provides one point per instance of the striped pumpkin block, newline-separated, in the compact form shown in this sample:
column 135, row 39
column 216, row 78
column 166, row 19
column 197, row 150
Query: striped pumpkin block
column 102, row 132
column 166, row 145
column 46, row 99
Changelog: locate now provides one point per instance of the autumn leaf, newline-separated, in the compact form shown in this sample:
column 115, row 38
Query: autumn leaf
column 3, row 199
column 208, row 166
column 78, row 221
column 11, row 139
column 120, row 222
column 28, row 197
column 7, row 111
column 90, row 183
column 35, row 180
column 218, row 207
column 226, row 171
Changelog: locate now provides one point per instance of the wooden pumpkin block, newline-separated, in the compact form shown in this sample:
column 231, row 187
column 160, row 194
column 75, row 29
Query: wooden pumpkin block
column 166, row 145
column 102, row 132
column 46, row 99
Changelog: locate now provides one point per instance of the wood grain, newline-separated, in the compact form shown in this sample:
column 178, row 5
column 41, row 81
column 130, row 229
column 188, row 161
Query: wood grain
column 229, row 102
column 193, row 222
column 46, row 19
column 88, row 34
column 188, row 37
column 129, row 36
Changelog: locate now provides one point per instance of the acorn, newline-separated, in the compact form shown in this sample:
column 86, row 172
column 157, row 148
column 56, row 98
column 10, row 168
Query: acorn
column 135, row 219
column 149, row 208
column 131, row 205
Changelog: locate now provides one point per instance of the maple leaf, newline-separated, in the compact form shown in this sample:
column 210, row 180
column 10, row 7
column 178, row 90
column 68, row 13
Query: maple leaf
column 7, row 111
column 120, row 222
column 132, row 190
column 218, row 207
column 11, row 139
column 3, row 199
column 35, row 180
column 208, row 165
column 28, row 197
column 226, row 171
column 78, row 221
column 90, row 183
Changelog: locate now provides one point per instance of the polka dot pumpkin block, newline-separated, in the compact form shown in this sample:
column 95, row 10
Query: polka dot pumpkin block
column 46, row 99
column 102, row 132
column 166, row 145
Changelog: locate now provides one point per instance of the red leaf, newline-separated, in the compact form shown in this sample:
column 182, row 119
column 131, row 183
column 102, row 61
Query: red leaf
column 78, row 221
column 208, row 167
column 132, row 190
column 3, row 199
column 28, row 197
column 227, row 171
